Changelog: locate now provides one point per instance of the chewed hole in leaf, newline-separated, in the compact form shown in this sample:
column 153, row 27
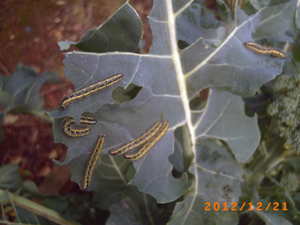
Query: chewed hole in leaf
column 121, row 95
column 182, row 44
column 198, row 100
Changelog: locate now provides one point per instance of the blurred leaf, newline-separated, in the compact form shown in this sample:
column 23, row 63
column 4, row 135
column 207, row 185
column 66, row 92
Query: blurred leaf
column 10, row 176
column 272, row 218
column 21, row 92
column 30, row 212
column 6, row 99
column 297, row 15
column 124, row 212
column 275, row 20
column 138, row 208
column 24, row 85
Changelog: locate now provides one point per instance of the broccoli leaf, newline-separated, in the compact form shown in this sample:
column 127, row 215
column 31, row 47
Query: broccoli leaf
column 125, row 212
column 219, row 179
column 169, row 79
column 272, row 218
column 276, row 20
column 124, row 23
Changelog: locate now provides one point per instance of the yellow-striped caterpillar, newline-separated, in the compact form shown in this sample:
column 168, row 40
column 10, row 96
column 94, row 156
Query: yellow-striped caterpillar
column 158, row 135
column 92, row 162
column 264, row 50
column 139, row 141
column 69, row 126
column 90, row 89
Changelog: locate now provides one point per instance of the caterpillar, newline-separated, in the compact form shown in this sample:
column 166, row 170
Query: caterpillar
column 158, row 135
column 69, row 130
column 264, row 50
column 139, row 141
column 92, row 162
column 90, row 89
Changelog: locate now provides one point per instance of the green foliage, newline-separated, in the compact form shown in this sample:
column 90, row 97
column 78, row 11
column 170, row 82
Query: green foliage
column 20, row 92
column 10, row 176
column 210, row 54
column 286, row 108
column 209, row 152
column 15, row 205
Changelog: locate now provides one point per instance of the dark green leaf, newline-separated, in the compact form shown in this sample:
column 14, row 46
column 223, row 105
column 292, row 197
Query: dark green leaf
column 272, row 218
column 10, row 176
column 125, row 212
column 121, row 32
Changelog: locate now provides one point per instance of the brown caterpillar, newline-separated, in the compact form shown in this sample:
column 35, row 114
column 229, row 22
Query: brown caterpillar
column 264, row 50
column 69, row 129
column 158, row 135
column 139, row 141
column 92, row 162
column 90, row 89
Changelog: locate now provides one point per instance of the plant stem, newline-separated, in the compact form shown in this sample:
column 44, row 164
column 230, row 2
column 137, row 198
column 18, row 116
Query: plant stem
column 38, row 209
column 148, row 210
column 275, row 156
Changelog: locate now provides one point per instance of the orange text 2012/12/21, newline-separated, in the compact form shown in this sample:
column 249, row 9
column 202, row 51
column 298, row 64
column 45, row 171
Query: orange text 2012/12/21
column 233, row 206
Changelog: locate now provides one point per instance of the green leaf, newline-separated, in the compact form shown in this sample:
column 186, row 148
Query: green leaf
column 10, row 176
column 120, row 32
column 6, row 99
column 24, row 85
column 272, row 218
column 195, row 23
column 258, row 4
column 138, row 207
column 111, row 180
column 218, row 180
column 222, row 119
column 124, row 212
column 297, row 14
column 170, row 79
column 28, row 211
column 20, row 92
column 177, row 158
column 275, row 20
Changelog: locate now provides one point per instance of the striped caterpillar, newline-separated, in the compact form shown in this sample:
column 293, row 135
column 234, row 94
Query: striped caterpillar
column 137, row 142
column 90, row 89
column 158, row 135
column 264, row 50
column 147, row 141
column 92, row 162
column 71, row 131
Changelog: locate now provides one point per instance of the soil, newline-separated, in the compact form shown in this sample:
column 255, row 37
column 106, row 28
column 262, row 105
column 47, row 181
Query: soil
column 29, row 32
